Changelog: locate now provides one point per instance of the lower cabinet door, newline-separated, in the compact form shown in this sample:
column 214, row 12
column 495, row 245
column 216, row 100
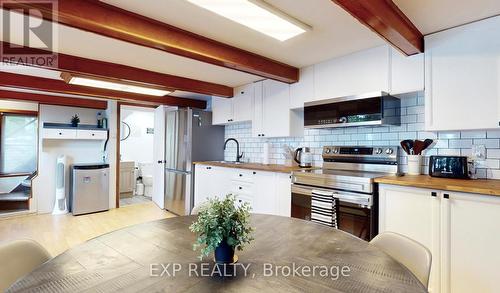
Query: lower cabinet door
column 264, row 193
column 413, row 212
column 472, row 261
column 284, row 195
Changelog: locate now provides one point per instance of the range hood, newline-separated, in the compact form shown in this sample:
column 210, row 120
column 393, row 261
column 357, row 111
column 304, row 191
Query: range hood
column 377, row 108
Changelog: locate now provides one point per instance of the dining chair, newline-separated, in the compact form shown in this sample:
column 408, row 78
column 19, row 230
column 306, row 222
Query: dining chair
column 410, row 253
column 18, row 258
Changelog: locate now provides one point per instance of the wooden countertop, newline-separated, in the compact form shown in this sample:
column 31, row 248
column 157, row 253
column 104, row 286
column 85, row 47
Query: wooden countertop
column 482, row 186
column 253, row 166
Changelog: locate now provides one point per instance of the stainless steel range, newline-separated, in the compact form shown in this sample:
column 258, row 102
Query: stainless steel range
column 343, row 194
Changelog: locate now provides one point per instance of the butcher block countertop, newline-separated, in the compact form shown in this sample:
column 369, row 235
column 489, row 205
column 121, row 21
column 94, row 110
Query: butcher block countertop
column 482, row 186
column 253, row 166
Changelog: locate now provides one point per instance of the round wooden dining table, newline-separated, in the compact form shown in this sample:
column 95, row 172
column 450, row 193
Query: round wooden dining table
column 287, row 255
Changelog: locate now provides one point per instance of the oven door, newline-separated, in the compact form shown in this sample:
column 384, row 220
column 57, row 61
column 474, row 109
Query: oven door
column 356, row 212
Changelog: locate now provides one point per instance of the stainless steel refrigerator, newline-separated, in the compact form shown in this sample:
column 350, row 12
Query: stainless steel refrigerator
column 182, row 136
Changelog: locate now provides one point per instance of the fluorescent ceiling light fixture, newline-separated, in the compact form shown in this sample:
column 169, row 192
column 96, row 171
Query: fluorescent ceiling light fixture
column 256, row 15
column 112, row 85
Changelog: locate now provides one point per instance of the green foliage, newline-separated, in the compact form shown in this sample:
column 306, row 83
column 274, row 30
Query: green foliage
column 222, row 220
column 75, row 120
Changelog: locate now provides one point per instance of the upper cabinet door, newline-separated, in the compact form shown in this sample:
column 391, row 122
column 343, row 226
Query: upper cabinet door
column 463, row 76
column 303, row 90
column 222, row 110
column 276, row 109
column 258, row 110
column 358, row 73
column 407, row 72
column 243, row 103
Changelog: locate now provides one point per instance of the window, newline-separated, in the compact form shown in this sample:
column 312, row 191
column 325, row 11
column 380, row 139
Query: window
column 18, row 142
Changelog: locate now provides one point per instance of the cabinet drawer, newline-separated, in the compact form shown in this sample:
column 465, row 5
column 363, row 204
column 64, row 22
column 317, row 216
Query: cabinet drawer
column 241, row 188
column 54, row 133
column 91, row 134
column 243, row 175
column 241, row 199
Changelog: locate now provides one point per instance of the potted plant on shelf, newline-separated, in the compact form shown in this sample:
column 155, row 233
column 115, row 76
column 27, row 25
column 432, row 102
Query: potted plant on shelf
column 75, row 120
column 223, row 226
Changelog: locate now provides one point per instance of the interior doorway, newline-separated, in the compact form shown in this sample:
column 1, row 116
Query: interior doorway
column 135, row 179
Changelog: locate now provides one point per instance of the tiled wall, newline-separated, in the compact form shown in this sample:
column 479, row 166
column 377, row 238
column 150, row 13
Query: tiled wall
column 412, row 127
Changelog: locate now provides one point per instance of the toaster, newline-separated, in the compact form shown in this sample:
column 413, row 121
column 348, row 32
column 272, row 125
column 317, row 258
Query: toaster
column 449, row 167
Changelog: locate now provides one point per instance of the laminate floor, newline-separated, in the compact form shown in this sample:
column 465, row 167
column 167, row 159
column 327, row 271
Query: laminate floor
column 58, row 233
column 134, row 200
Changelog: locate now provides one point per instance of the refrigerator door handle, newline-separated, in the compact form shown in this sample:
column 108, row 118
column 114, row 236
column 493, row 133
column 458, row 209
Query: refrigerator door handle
column 178, row 171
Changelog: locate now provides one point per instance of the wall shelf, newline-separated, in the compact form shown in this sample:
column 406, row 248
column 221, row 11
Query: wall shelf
column 66, row 131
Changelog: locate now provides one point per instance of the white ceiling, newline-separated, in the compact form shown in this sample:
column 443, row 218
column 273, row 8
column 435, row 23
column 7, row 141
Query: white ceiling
column 430, row 16
column 334, row 32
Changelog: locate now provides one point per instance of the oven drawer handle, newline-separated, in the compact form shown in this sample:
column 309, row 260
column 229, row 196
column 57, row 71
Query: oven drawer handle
column 323, row 192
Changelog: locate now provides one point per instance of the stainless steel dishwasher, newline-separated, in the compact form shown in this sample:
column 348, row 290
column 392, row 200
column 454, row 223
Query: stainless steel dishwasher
column 89, row 191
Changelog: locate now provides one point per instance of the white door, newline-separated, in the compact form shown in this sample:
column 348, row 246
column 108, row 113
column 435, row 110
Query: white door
column 462, row 73
column 159, row 158
column 415, row 213
column 471, row 258
column 222, row 110
column 276, row 109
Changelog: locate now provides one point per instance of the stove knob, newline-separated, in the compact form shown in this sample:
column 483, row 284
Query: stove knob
column 328, row 150
column 378, row 151
column 389, row 151
column 335, row 151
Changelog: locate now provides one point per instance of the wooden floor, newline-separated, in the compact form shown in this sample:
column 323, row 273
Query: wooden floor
column 58, row 233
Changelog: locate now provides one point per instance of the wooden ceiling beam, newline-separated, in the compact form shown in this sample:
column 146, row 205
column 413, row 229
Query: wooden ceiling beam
column 113, row 22
column 108, row 70
column 59, row 86
column 53, row 100
column 388, row 21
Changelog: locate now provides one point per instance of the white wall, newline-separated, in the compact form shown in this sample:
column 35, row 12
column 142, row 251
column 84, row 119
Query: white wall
column 76, row 151
column 15, row 105
column 138, row 147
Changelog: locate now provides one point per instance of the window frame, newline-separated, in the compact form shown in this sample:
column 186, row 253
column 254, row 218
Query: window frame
column 20, row 113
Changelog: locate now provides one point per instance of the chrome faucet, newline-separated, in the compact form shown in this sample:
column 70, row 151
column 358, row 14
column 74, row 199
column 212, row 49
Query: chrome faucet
column 238, row 156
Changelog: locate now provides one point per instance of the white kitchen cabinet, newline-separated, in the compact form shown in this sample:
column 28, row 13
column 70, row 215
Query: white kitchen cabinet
column 362, row 72
column 460, row 229
column 222, row 110
column 69, row 133
column 303, row 90
column 462, row 74
column 407, row 72
column 414, row 213
column 210, row 182
column 471, row 261
column 236, row 109
column 266, row 192
column 284, row 194
column 243, row 103
column 55, row 133
column 272, row 114
column 91, row 134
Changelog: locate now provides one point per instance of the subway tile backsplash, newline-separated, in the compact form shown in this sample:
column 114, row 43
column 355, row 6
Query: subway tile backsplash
column 412, row 127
